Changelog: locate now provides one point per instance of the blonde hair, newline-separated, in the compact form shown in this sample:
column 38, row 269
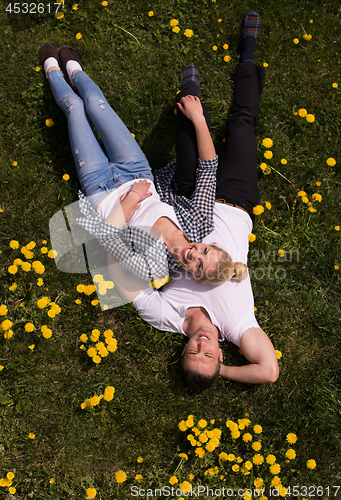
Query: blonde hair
column 226, row 269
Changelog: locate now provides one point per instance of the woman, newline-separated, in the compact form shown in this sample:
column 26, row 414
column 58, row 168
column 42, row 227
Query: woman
column 115, row 203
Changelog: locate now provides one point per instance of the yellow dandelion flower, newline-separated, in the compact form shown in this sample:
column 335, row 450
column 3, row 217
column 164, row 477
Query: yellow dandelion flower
column 247, row 437
column 6, row 324
column 105, row 3
column 97, row 359
column 31, row 435
column 49, row 122
column 225, row 46
column 75, row 6
column 305, row 199
column 176, row 29
column 37, row 68
column 227, row 58
column 268, row 155
column 120, row 476
column 32, row 346
column 47, row 333
column 8, row 334
column 235, row 434
column 235, row 468
column 296, row 40
column 188, row 33
column 151, row 13
column 275, row 469
column 310, row 118
column 312, row 209
column 14, row 244
column 281, row 252
column 257, row 429
column 202, row 423
column 258, row 209
column 252, row 237
column 256, row 446
column 12, row 269
column 258, row 459
column 307, row 37
column 66, row 177
column 200, row 452
column 182, row 426
column 291, row 438
column 335, row 85
column 311, row 464
column 78, row 36
column 336, row 267
column 3, row 310
column 138, row 477
column 91, row 493
column 29, row 327
column 173, row 480
column 337, row 228
column 174, row 22
column 290, row 454
column 185, row 487
column 215, row 47
column 52, row 254
column 302, row 112
column 267, row 142
column 276, row 481
column 278, row 354
column 51, row 480
column 284, row 161
column 268, row 205
column 12, row 490
column 331, row 162
column 59, row 15
column 271, row 459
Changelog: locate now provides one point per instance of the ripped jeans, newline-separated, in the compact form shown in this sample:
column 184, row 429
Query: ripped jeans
column 99, row 171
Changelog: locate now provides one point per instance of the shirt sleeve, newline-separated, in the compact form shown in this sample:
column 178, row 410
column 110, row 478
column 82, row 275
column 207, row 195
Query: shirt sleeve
column 134, row 248
column 205, row 187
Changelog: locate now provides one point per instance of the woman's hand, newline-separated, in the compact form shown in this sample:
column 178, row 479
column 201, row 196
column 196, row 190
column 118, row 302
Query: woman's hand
column 131, row 201
column 191, row 107
column 141, row 188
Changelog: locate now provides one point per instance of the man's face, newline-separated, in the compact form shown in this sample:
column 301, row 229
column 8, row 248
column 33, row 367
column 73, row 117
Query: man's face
column 199, row 259
column 202, row 352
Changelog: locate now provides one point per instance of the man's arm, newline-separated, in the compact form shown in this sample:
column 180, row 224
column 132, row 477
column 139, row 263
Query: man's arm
column 258, row 349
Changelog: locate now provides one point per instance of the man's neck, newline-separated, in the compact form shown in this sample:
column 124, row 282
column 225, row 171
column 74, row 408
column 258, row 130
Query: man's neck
column 195, row 318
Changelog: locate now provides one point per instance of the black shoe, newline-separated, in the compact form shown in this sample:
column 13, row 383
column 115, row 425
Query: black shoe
column 66, row 54
column 48, row 49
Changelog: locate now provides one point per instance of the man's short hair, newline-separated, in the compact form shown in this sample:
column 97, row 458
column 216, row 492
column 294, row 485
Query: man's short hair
column 198, row 380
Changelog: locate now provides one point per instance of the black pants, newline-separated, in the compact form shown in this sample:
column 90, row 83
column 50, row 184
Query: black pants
column 237, row 172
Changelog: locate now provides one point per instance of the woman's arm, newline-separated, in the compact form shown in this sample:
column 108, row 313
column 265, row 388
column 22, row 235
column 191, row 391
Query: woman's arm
column 128, row 204
column 191, row 107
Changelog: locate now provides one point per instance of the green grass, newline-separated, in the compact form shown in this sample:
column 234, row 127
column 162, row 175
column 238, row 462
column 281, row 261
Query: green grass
column 136, row 60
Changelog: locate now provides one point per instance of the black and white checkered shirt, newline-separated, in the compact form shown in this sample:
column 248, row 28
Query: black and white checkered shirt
column 138, row 251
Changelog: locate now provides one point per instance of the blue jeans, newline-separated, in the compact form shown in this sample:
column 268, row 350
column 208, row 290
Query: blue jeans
column 98, row 171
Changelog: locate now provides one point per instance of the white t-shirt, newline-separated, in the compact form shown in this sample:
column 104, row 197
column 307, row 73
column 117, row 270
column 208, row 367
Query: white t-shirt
column 229, row 305
column 151, row 209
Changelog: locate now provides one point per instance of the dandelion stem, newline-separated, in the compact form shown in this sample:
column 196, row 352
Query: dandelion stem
column 138, row 43
column 279, row 173
column 270, row 230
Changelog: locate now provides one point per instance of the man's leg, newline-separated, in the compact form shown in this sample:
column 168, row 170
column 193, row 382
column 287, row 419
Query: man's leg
column 237, row 173
column 186, row 143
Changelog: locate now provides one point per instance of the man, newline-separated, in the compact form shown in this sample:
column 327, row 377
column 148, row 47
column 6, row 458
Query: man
column 207, row 315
